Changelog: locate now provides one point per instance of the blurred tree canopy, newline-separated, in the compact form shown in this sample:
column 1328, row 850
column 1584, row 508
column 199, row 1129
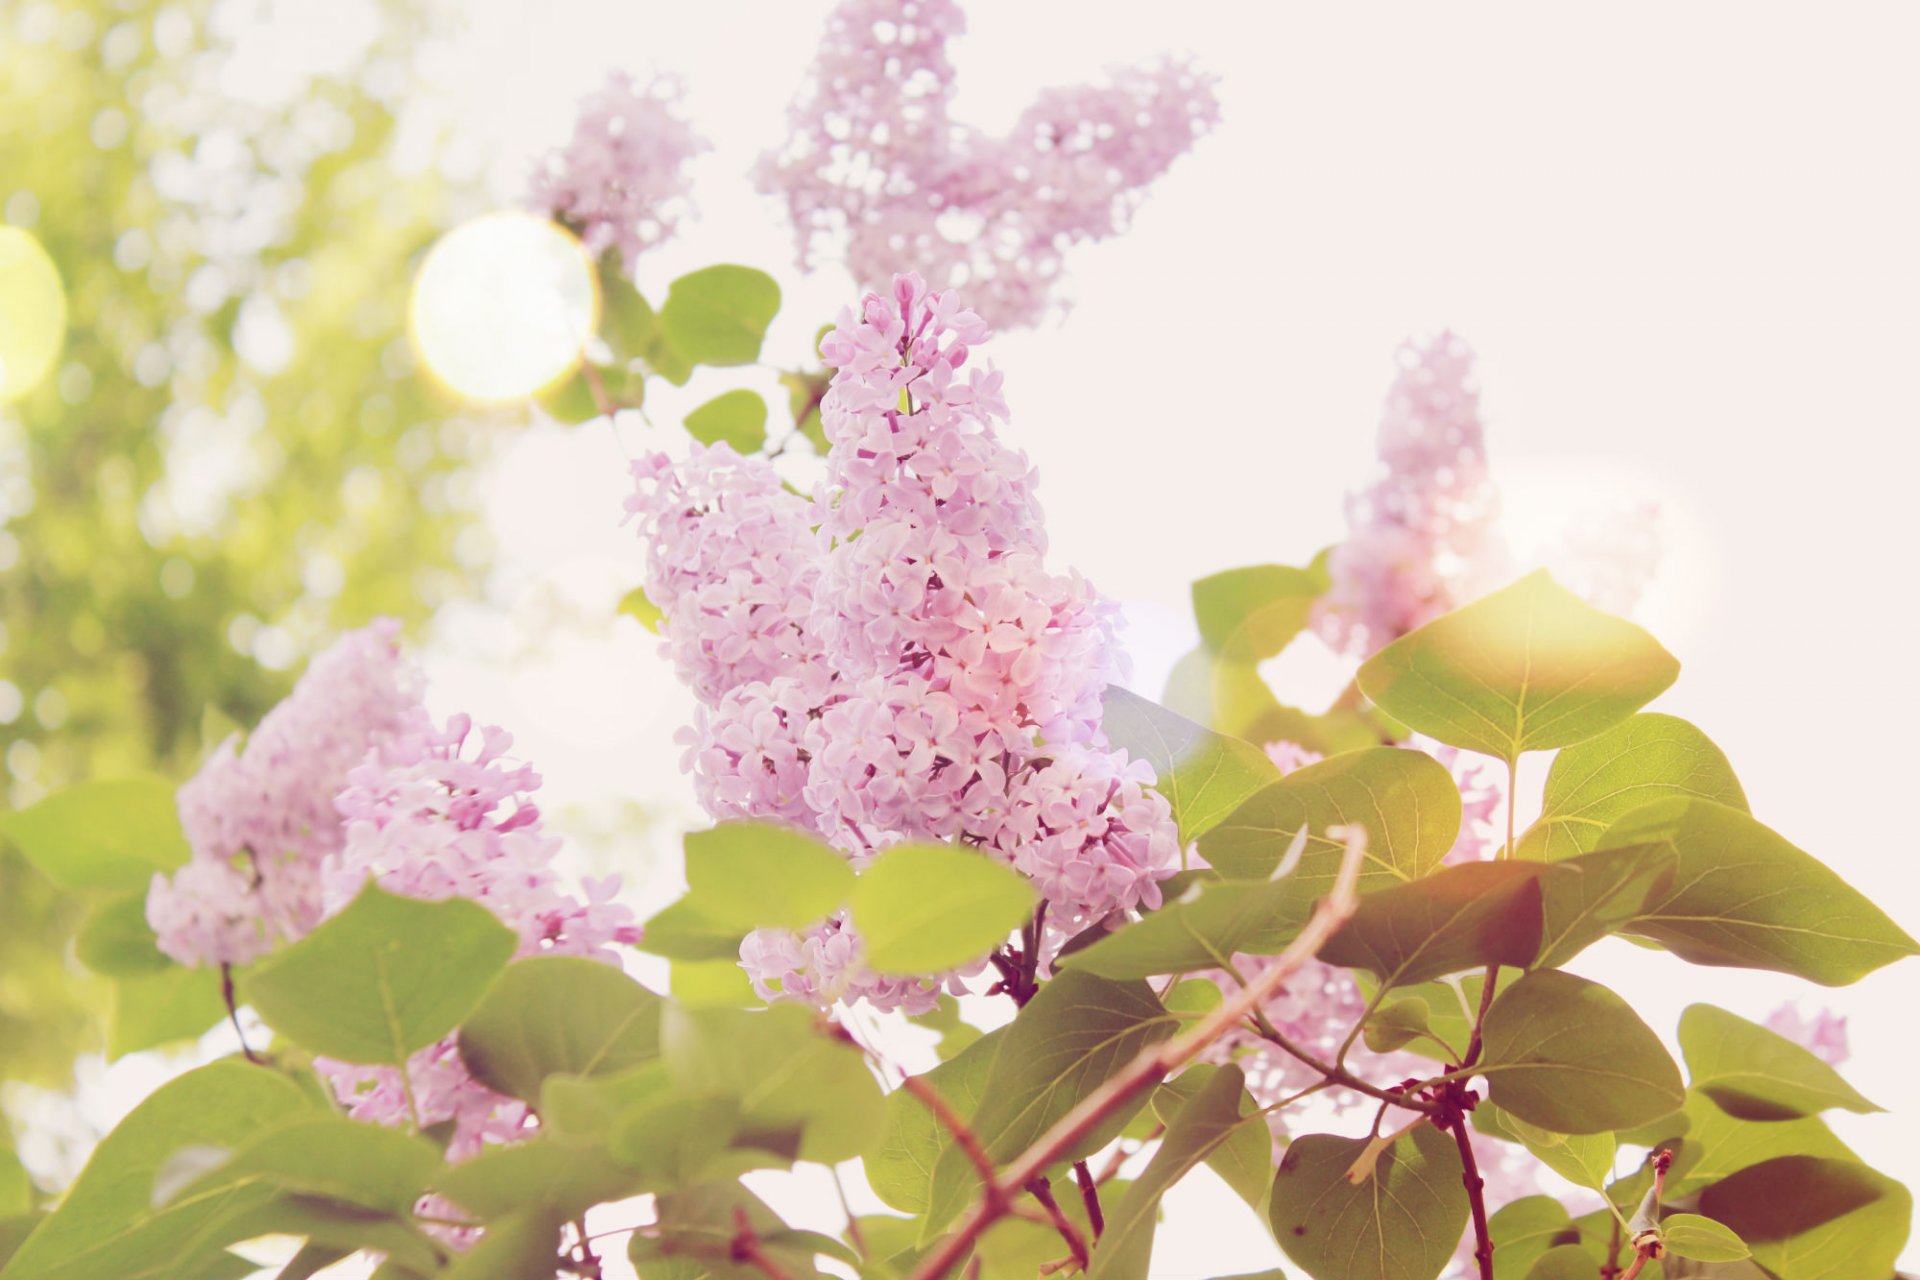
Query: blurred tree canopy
column 234, row 456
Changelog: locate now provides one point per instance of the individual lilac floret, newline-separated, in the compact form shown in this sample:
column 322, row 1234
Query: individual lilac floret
column 260, row 818
column 620, row 183
column 911, row 670
column 446, row 813
column 1421, row 537
column 1824, row 1034
column 877, row 169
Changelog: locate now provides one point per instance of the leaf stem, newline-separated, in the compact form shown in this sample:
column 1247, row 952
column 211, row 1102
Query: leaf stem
column 1090, row 1196
column 233, row 1013
column 1077, row 1243
column 1476, row 1198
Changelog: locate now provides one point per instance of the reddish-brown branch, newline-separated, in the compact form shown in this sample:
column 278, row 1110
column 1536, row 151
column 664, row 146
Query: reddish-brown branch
column 955, row 1124
column 1476, row 1198
column 1076, row 1242
column 1090, row 1196
column 746, row 1248
column 1148, row 1068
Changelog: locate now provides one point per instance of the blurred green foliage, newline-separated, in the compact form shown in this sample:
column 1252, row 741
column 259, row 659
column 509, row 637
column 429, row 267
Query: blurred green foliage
column 234, row 457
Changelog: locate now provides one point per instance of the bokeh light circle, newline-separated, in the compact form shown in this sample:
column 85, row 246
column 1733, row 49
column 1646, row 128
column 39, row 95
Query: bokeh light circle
column 503, row 306
column 33, row 313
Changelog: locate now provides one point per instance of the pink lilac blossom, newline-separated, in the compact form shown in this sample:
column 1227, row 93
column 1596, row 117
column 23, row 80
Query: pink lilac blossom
column 896, row 662
column 1421, row 538
column 878, row 168
column 260, row 818
column 620, row 182
column 440, row 813
column 1824, row 1034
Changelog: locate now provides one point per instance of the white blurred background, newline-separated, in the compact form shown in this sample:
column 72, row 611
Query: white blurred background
column 1682, row 238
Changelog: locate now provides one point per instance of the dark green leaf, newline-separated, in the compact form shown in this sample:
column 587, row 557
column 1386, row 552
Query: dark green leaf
column 1789, row 1195
column 368, row 1166
column 1400, row 1224
column 1244, row 1158
column 1863, row 1242
column 504, row 1180
column 107, row 836
column 699, row 1225
column 750, row 875
column 1202, row 929
column 1744, row 897
column 153, row 1009
column 519, row 1246
column 1562, row 1262
column 1396, row 1024
column 737, row 417
column 1405, row 799
column 1755, row 1074
column 1075, row 1034
column 1217, row 1110
column 901, row 1166
column 386, row 976
column 1570, row 1056
column 551, row 1014
column 1645, row 758
column 1204, row 775
column 921, row 908
column 1712, row 1145
column 719, row 315
column 1463, row 917
column 1528, row 668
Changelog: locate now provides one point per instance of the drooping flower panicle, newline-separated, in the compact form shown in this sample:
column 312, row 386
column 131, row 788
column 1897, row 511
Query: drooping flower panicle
column 878, row 168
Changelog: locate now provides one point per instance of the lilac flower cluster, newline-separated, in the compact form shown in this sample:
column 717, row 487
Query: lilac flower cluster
column 427, row 818
column 911, row 670
column 620, row 182
column 877, row 165
column 349, row 780
column 260, row 819
column 1421, row 538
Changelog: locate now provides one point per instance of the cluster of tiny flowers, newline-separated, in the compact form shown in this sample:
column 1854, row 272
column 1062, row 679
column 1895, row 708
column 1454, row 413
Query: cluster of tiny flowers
column 620, row 183
column 260, row 819
column 1421, row 538
column 877, row 167
column 920, row 675
column 1824, row 1034
column 446, row 813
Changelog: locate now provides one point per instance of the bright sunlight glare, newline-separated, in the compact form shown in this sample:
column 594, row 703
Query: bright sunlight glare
column 503, row 306
column 33, row 313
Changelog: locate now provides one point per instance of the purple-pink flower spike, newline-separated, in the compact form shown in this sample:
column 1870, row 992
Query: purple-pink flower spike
column 1824, row 1034
column 876, row 166
column 911, row 670
column 621, row 182
column 1421, row 537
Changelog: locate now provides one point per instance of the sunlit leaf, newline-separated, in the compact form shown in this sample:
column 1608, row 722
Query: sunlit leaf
column 1645, row 758
column 1756, row 1074
column 1570, row 1056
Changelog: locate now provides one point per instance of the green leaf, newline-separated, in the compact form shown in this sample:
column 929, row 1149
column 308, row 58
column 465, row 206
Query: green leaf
column 1562, row 1262
column 1253, row 613
column 1204, row 775
column 1216, row 1111
column 1451, row 1003
column 635, row 605
column 105, row 836
column 670, row 1142
column 1528, row 668
column 901, row 1166
column 386, row 976
column 369, row 1166
column 633, row 330
column 116, row 940
column 107, row 1221
column 792, row 1083
column 1712, row 1145
column 1396, row 1024
column 311, row 1259
column 1865, row 1241
column 921, row 908
column 1405, row 799
column 1570, row 1056
column 751, row 875
column 503, row 1180
column 1202, row 929
column 16, row 1188
column 1584, row 1159
column 1755, row 1074
column 520, row 1246
column 1463, row 917
column 1243, row 1158
column 564, row 1014
column 719, row 315
column 698, row 1225
column 1691, row 1236
column 1400, row 1224
column 1645, row 758
column 737, row 418
column 1075, row 1034
column 683, row 931
column 154, row 1009
column 1589, row 896
column 1523, row 1229
column 709, row 983
column 1744, row 897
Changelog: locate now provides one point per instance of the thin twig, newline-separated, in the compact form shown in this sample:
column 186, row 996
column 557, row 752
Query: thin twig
column 1090, row 1196
column 746, row 1248
column 957, row 1126
column 1150, row 1066
column 233, row 1012
column 1076, row 1242
column 1476, row 1199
